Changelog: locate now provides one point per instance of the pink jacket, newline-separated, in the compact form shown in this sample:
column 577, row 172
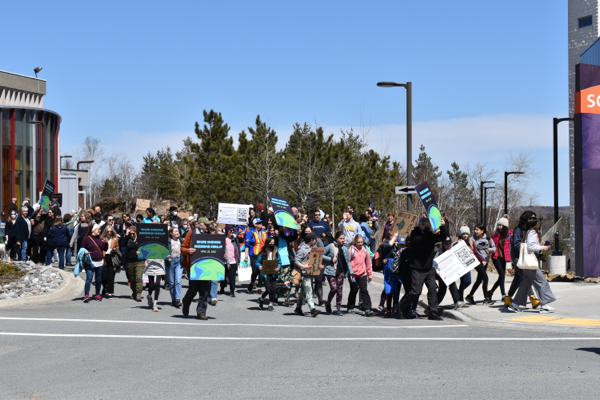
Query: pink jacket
column 361, row 262
column 507, row 243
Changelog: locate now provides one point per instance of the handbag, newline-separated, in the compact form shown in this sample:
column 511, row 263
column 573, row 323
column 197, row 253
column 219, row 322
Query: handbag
column 527, row 259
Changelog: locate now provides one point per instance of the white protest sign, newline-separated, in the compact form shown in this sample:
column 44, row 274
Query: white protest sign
column 233, row 214
column 455, row 263
column 549, row 236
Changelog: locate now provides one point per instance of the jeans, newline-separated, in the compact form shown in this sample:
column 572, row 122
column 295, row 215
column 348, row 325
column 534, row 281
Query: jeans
column 255, row 273
column 61, row 256
column 89, row 274
column 418, row 279
column 49, row 252
column 214, row 290
column 174, row 273
column 305, row 293
column 69, row 255
column 22, row 254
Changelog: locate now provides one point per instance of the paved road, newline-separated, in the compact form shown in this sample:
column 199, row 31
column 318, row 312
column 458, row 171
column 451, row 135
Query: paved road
column 120, row 349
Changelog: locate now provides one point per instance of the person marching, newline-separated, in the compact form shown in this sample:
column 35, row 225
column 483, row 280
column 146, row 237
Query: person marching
column 135, row 266
column 482, row 247
column 360, row 261
column 268, row 253
column 254, row 242
column 232, row 259
column 302, row 258
column 502, row 238
column 202, row 288
column 94, row 246
column 337, row 266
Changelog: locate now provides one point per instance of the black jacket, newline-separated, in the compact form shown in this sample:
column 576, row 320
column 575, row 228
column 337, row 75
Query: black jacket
column 132, row 248
column 422, row 246
column 20, row 230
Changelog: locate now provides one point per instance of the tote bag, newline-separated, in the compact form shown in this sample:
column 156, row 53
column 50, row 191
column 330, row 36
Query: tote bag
column 527, row 259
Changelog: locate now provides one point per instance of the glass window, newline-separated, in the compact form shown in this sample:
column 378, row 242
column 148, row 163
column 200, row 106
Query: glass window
column 6, row 160
column 18, row 184
column 6, row 191
column 585, row 21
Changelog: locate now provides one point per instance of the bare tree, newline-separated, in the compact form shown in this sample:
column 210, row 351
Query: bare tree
column 91, row 151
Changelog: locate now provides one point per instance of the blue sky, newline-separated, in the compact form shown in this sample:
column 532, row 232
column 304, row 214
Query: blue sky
column 487, row 76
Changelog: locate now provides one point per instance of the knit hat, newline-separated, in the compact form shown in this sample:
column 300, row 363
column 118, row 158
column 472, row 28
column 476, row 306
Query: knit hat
column 464, row 229
column 261, row 207
column 503, row 221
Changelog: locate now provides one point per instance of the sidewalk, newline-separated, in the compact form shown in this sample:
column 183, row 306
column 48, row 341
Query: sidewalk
column 577, row 304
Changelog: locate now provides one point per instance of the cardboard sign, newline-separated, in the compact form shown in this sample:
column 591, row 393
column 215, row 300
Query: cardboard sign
column 183, row 215
column 141, row 204
column 208, row 262
column 283, row 212
column 454, row 263
column 47, row 195
column 233, row 214
column 153, row 241
column 403, row 224
column 431, row 207
column 269, row 267
column 315, row 260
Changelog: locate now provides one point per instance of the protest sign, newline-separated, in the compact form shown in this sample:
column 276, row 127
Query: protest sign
column 208, row 262
column 47, row 195
column 184, row 215
column 244, row 271
column 549, row 236
column 403, row 224
column 153, row 241
column 233, row 214
column 315, row 260
column 269, row 267
column 431, row 207
column 454, row 263
column 142, row 205
column 283, row 212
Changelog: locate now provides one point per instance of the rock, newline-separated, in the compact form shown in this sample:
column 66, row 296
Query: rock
column 35, row 280
column 34, row 292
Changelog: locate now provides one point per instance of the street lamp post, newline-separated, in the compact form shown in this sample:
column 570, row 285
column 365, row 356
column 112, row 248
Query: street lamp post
column 506, row 174
column 485, row 189
column 409, row 178
column 481, row 211
column 557, row 251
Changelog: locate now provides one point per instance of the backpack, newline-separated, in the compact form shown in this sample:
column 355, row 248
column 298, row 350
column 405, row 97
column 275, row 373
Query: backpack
column 378, row 261
column 397, row 261
column 116, row 259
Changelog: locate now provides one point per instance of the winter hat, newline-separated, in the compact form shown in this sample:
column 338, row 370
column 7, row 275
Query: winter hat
column 261, row 207
column 503, row 221
column 464, row 229
column 172, row 208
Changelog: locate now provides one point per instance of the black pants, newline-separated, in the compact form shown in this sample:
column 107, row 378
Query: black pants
column 360, row 284
column 271, row 288
column 442, row 288
column 482, row 278
column 108, row 278
column 230, row 274
column 202, row 288
column 38, row 252
column 501, row 268
column 418, row 278
column 255, row 273
column 154, row 285
column 517, row 278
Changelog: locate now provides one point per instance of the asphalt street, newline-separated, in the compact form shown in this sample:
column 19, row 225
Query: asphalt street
column 120, row 349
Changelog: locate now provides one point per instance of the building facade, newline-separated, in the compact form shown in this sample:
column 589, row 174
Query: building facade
column 29, row 138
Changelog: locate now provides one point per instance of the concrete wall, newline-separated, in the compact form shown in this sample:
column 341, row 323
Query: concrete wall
column 21, row 91
column 579, row 40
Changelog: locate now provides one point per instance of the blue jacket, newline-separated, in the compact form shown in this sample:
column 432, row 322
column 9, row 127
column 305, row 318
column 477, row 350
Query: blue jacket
column 82, row 261
column 328, row 255
column 259, row 261
column 59, row 235
column 367, row 230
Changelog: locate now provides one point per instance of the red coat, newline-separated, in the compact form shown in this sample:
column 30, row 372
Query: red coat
column 507, row 243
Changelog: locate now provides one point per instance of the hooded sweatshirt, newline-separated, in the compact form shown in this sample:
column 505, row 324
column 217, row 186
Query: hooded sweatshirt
column 481, row 246
column 361, row 262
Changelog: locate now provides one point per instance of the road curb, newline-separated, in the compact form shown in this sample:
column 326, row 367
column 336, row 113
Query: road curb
column 70, row 284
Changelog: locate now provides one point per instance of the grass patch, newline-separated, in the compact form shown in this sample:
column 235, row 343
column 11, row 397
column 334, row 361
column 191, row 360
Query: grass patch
column 9, row 273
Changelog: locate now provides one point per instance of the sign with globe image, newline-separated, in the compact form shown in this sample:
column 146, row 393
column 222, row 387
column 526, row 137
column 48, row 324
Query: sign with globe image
column 153, row 241
column 283, row 212
column 431, row 207
column 208, row 261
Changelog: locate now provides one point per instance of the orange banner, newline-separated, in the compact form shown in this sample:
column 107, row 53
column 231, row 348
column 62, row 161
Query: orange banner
column 588, row 101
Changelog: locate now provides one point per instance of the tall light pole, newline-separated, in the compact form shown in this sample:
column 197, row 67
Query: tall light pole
column 556, row 251
column 506, row 174
column 409, row 178
column 481, row 200
column 485, row 189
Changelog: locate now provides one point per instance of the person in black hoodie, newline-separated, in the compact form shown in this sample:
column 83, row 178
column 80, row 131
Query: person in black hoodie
column 19, row 234
column 422, row 246
column 172, row 218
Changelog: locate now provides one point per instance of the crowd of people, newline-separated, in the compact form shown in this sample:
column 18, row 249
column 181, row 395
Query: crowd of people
column 104, row 245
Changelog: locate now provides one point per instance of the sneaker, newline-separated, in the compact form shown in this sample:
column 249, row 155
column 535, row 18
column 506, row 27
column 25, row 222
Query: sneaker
column 150, row 301
column 351, row 311
column 470, row 300
column 202, row 317
column 138, row 298
column 328, row 308
column 232, row 294
column 409, row 315
column 260, row 303
column 458, row 304
column 270, row 308
column 488, row 302
column 369, row 313
column 98, row 297
column 490, row 294
column 546, row 309
column 86, row 299
column 388, row 314
column 155, row 308
column 339, row 313
column 178, row 303
column 514, row 308
column 464, row 305
column 434, row 317
column 299, row 311
column 249, row 288
column 287, row 303
column 214, row 302
column 314, row 312
column 259, row 291
column 380, row 308
column 174, row 303
column 222, row 291
column 185, row 310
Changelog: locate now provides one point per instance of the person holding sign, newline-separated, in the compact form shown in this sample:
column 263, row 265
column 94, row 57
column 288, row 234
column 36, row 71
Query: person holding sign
column 360, row 260
column 232, row 259
column 337, row 266
column 202, row 288
column 302, row 258
column 94, row 246
column 269, row 255
column 135, row 266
